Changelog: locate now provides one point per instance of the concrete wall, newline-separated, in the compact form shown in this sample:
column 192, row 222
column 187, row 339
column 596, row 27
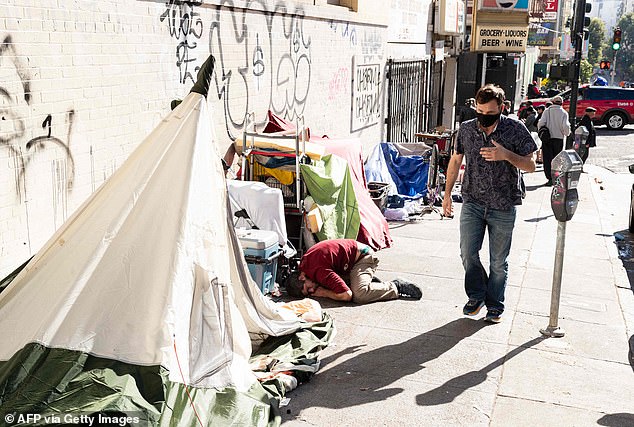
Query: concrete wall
column 83, row 82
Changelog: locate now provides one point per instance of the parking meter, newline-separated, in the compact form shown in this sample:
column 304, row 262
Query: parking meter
column 566, row 169
column 581, row 136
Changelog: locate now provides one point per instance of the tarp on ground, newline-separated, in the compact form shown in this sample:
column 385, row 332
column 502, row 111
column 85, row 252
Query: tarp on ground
column 406, row 174
column 373, row 228
column 329, row 184
column 141, row 303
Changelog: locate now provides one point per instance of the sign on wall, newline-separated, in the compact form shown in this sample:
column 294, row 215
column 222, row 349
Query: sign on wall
column 504, row 5
column 542, row 35
column 366, row 96
column 450, row 17
column 500, row 38
column 550, row 10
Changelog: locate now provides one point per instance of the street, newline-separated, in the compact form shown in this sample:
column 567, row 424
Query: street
column 614, row 150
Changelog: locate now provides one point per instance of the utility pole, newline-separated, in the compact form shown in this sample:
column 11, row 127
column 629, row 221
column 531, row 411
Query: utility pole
column 576, row 36
column 613, row 71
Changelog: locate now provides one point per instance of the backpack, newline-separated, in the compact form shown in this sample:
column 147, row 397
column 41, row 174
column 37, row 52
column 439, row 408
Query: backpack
column 544, row 134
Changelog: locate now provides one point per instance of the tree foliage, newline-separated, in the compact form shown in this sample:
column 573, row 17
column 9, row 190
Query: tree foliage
column 585, row 71
column 597, row 41
column 625, row 56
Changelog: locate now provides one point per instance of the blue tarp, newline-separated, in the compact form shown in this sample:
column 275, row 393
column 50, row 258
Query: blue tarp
column 407, row 174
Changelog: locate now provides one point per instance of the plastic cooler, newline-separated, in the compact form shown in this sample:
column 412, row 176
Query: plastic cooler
column 261, row 250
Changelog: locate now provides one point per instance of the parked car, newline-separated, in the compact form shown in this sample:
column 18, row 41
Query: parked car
column 615, row 105
column 632, row 204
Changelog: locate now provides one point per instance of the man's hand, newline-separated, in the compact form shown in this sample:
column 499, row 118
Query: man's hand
column 495, row 153
column 447, row 205
column 319, row 292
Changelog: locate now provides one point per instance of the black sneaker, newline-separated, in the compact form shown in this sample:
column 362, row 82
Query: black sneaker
column 472, row 307
column 494, row 316
column 407, row 290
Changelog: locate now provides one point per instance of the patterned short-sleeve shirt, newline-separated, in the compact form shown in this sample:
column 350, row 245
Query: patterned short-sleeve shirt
column 493, row 184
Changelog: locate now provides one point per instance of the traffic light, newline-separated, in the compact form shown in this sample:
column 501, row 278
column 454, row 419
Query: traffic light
column 616, row 39
column 581, row 21
column 605, row 65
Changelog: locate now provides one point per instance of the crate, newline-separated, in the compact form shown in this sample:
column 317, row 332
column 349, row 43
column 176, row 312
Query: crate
column 378, row 192
column 289, row 192
column 261, row 250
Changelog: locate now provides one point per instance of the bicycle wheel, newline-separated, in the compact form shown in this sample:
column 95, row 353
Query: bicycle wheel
column 432, row 173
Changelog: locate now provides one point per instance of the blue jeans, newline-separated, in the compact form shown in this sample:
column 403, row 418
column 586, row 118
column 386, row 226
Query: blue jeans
column 474, row 220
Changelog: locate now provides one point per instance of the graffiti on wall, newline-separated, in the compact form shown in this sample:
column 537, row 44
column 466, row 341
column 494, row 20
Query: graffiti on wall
column 371, row 42
column 345, row 30
column 15, row 115
column 272, row 68
column 366, row 96
column 339, row 83
column 186, row 26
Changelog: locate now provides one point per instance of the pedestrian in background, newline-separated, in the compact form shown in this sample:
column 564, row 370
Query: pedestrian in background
column 530, row 119
column 540, row 110
column 524, row 112
column 468, row 111
column 586, row 121
column 506, row 110
column 495, row 149
column 555, row 118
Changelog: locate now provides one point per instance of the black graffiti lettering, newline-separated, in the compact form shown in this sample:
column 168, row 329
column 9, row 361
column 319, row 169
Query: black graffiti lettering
column 186, row 26
column 279, row 57
column 46, row 124
column 367, row 106
column 13, row 124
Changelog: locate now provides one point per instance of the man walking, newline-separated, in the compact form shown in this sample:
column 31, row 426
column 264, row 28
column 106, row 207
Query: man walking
column 555, row 118
column 495, row 148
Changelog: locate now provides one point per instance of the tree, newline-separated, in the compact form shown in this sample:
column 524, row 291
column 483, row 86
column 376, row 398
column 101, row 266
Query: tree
column 597, row 41
column 625, row 55
column 585, row 72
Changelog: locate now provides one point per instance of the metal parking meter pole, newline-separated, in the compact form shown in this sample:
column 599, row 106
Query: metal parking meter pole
column 566, row 169
column 553, row 329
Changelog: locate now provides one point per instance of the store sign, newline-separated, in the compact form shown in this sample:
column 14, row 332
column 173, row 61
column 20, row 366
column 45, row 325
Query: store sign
column 366, row 96
column 550, row 10
column 500, row 38
column 450, row 17
column 542, row 35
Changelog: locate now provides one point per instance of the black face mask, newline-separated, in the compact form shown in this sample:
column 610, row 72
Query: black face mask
column 487, row 120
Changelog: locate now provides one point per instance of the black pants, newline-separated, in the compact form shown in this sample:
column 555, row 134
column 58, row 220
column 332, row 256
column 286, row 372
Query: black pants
column 549, row 150
column 583, row 152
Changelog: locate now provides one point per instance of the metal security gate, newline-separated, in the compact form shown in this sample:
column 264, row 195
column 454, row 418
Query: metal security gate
column 436, row 89
column 408, row 93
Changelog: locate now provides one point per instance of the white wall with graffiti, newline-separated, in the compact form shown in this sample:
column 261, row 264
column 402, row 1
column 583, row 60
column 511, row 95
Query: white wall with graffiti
column 82, row 83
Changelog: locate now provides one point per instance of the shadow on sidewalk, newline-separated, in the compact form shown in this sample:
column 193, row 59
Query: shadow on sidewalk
column 363, row 378
column 454, row 387
column 624, row 241
column 616, row 420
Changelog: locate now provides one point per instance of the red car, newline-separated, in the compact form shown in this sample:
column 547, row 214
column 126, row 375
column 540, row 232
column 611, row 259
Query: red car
column 615, row 105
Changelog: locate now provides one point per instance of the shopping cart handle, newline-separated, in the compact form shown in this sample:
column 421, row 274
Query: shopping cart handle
column 253, row 259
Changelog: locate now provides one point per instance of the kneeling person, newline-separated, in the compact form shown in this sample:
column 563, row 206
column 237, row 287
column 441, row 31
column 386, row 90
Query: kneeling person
column 325, row 265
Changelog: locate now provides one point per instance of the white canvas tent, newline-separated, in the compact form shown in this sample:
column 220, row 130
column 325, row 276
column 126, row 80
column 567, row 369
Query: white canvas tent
column 147, row 274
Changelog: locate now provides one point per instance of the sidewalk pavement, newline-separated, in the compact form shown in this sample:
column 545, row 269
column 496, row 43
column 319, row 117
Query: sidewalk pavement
column 422, row 363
